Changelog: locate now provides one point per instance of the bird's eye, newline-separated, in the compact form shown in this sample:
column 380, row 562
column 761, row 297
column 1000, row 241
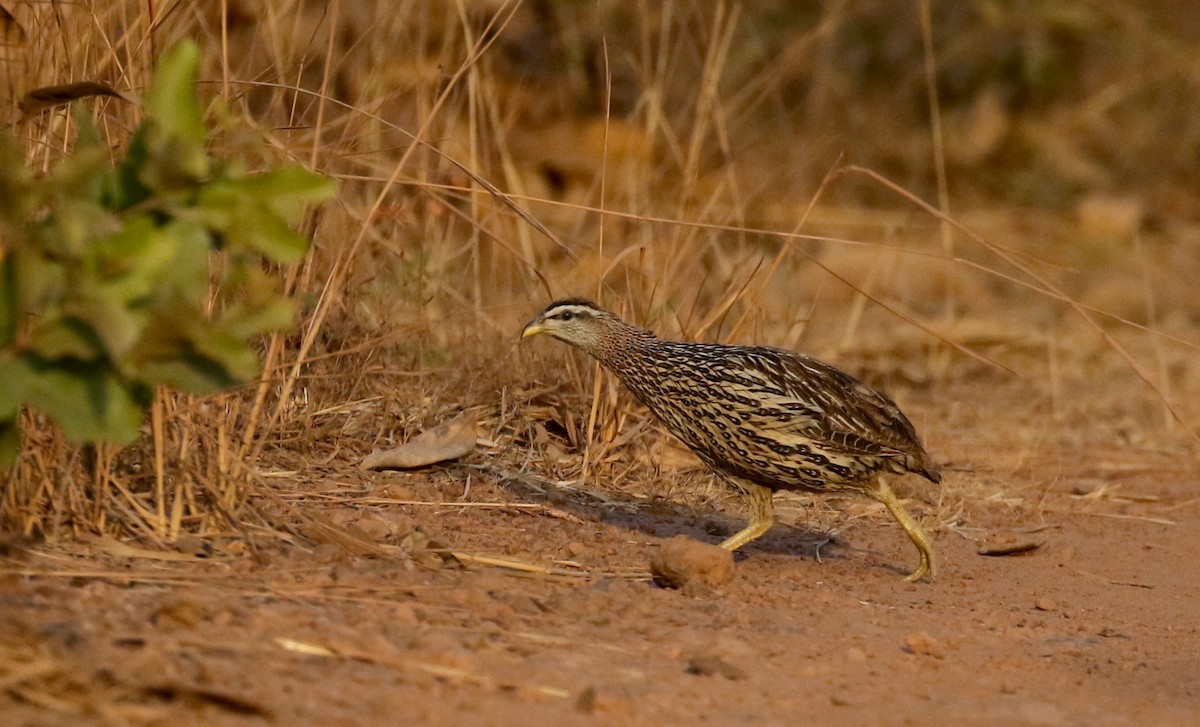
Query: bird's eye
column 566, row 315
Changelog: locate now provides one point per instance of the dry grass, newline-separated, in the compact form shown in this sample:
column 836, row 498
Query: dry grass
column 674, row 162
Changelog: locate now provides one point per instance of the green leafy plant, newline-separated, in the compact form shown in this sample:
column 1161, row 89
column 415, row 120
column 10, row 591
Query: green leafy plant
column 116, row 278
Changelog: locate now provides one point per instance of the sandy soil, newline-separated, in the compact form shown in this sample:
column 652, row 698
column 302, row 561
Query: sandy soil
column 1097, row 625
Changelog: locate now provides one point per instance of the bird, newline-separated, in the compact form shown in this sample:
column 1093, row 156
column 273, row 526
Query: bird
column 763, row 419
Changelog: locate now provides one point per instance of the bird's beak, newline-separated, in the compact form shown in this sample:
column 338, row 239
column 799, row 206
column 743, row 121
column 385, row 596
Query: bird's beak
column 532, row 329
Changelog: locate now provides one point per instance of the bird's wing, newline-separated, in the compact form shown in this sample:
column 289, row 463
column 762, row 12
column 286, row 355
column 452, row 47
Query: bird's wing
column 834, row 408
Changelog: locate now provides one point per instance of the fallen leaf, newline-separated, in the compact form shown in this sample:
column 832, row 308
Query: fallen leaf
column 444, row 442
column 46, row 97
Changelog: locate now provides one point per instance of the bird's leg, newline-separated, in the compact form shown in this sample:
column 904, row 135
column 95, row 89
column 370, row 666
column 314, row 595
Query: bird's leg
column 762, row 515
column 920, row 539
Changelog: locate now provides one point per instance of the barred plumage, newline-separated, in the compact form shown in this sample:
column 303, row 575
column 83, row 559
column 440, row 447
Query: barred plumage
column 762, row 418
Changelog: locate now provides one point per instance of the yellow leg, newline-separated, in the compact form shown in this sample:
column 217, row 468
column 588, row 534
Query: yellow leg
column 762, row 515
column 920, row 539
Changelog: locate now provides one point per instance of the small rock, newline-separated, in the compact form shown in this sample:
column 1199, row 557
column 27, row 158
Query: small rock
column 1044, row 603
column 575, row 548
column 855, row 654
column 682, row 562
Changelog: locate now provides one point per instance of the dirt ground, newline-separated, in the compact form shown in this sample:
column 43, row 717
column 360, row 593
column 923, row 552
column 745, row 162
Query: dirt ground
column 1095, row 623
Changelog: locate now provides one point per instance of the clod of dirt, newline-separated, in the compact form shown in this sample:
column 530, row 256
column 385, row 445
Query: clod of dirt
column 348, row 536
column 327, row 553
column 709, row 665
column 394, row 491
column 617, row 702
column 426, row 552
column 193, row 545
column 922, row 644
column 684, row 563
column 444, row 442
column 842, row 698
column 586, row 701
column 180, row 613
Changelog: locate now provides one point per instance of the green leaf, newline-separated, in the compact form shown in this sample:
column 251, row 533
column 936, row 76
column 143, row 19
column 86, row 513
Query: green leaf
column 171, row 99
column 189, row 371
column 39, row 282
column 116, row 324
column 230, row 352
column 18, row 197
column 174, row 167
column 135, row 260
column 175, row 136
column 10, row 442
column 88, row 135
column 9, row 302
column 192, row 247
column 81, row 175
column 247, row 223
column 14, row 382
column 263, row 231
column 88, row 402
column 74, row 224
column 287, row 190
column 243, row 321
column 66, row 338
column 128, row 189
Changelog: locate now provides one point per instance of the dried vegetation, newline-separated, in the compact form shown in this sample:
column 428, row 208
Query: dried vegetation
column 712, row 170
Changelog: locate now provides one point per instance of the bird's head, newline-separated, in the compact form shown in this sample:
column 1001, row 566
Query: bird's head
column 576, row 321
